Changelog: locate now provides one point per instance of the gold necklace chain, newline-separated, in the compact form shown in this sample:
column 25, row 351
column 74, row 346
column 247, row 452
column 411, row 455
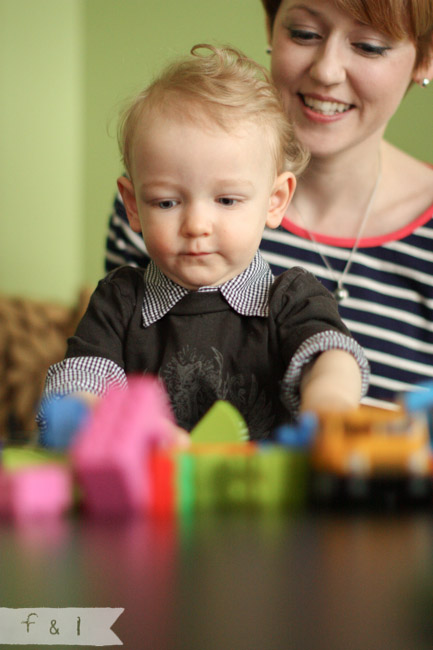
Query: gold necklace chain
column 341, row 292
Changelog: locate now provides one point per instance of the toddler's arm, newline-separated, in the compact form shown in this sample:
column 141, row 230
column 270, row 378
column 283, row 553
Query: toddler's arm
column 64, row 419
column 331, row 382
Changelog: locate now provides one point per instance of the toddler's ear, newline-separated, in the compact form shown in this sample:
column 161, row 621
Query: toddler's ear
column 280, row 198
column 127, row 193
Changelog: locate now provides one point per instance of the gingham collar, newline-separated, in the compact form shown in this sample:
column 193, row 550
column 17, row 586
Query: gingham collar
column 247, row 293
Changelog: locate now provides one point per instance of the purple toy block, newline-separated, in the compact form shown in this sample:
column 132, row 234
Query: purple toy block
column 110, row 455
column 35, row 492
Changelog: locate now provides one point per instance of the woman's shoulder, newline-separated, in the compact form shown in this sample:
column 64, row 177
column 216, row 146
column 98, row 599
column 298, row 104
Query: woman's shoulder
column 406, row 194
column 410, row 179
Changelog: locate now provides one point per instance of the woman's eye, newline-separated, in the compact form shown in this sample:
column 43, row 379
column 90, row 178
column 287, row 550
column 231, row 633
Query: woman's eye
column 371, row 50
column 303, row 35
column 227, row 201
column 166, row 204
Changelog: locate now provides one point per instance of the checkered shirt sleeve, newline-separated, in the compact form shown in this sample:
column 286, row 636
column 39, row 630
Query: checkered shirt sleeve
column 307, row 351
column 79, row 375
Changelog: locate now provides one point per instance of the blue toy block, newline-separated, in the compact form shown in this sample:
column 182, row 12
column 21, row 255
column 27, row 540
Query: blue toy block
column 299, row 435
column 65, row 416
column 419, row 400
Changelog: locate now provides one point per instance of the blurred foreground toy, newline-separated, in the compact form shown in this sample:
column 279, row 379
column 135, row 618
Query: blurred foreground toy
column 251, row 477
column 300, row 435
column 420, row 402
column 34, row 484
column 124, row 464
column 217, row 475
column 111, row 453
column 222, row 424
column 359, row 454
column 420, row 399
column 64, row 418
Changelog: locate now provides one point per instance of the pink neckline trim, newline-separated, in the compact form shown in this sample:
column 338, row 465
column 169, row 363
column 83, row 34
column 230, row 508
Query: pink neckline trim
column 367, row 242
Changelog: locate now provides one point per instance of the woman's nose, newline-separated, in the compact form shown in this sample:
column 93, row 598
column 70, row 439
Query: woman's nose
column 328, row 67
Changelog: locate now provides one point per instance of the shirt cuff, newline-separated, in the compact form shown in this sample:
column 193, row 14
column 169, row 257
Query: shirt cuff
column 307, row 351
column 79, row 375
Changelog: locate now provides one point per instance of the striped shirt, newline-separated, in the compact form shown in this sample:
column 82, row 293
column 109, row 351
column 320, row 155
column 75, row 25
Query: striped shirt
column 390, row 282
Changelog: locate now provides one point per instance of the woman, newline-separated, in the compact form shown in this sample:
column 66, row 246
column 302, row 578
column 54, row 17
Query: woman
column 362, row 217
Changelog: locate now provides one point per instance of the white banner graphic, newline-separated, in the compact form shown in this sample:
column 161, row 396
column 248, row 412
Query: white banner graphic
column 59, row 626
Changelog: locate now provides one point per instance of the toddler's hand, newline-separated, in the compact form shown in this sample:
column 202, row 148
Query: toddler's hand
column 180, row 437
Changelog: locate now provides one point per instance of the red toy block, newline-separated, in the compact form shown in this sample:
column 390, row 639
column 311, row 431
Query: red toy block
column 35, row 492
column 172, row 485
column 111, row 453
column 163, row 483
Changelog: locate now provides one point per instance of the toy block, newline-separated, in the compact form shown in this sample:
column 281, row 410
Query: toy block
column 18, row 457
column 64, row 417
column 185, row 484
column 222, row 424
column 171, row 482
column 280, row 477
column 251, row 476
column 221, row 476
column 40, row 491
column 163, row 489
column 299, row 435
column 419, row 400
column 111, row 453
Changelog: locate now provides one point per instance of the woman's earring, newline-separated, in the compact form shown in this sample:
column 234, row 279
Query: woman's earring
column 425, row 82
column 269, row 50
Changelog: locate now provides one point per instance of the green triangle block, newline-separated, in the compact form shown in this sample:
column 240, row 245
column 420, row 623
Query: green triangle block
column 221, row 424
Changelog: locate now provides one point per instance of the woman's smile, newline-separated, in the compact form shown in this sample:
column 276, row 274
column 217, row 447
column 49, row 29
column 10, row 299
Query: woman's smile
column 328, row 107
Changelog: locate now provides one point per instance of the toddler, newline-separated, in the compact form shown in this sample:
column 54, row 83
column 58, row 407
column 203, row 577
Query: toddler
column 211, row 159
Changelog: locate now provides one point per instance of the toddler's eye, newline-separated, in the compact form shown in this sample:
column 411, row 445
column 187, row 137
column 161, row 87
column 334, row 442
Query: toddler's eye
column 227, row 201
column 166, row 204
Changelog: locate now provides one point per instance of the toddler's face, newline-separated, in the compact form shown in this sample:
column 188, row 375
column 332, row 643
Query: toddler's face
column 203, row 197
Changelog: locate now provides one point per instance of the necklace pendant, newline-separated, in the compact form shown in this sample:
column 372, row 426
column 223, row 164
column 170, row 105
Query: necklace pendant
column 340, row 294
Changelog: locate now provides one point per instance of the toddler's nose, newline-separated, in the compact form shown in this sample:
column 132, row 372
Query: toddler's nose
column 195, row 223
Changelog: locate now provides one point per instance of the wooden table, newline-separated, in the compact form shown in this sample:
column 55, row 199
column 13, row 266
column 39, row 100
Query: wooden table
column 235, row 582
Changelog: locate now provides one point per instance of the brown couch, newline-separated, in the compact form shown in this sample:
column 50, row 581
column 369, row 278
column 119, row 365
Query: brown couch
column 32, row 336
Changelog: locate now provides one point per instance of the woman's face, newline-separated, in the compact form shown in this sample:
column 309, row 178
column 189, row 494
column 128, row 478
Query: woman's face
column 341, row 80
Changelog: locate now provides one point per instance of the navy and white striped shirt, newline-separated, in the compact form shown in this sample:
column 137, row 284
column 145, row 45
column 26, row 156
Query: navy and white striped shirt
column 390, row 282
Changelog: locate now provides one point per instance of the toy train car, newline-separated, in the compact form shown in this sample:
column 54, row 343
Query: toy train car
column 372, row 455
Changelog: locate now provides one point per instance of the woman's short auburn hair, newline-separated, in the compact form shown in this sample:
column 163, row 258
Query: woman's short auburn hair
column 396, row 18
column 216, row 85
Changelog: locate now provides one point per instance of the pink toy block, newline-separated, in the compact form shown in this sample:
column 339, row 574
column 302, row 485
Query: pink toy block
column 35, row 492
column 111, row 454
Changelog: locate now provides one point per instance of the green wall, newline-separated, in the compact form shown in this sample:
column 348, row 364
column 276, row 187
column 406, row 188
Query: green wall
column 66, row 67
column 127, row 42
column 41, row 152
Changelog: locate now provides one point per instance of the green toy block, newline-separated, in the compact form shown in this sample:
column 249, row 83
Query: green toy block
column 17, row 457
column 185, row 483
column 221, row 478
column 221, row 424
column 249, row 477
column 279, row 478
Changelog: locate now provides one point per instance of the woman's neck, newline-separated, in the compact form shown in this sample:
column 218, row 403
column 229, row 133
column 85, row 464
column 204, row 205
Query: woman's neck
column 333, row 194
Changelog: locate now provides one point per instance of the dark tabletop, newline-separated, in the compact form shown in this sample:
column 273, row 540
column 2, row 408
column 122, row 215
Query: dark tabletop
column 307, row 581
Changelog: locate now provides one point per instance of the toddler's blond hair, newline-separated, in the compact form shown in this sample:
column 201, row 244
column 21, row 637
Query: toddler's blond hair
column 219, row 85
